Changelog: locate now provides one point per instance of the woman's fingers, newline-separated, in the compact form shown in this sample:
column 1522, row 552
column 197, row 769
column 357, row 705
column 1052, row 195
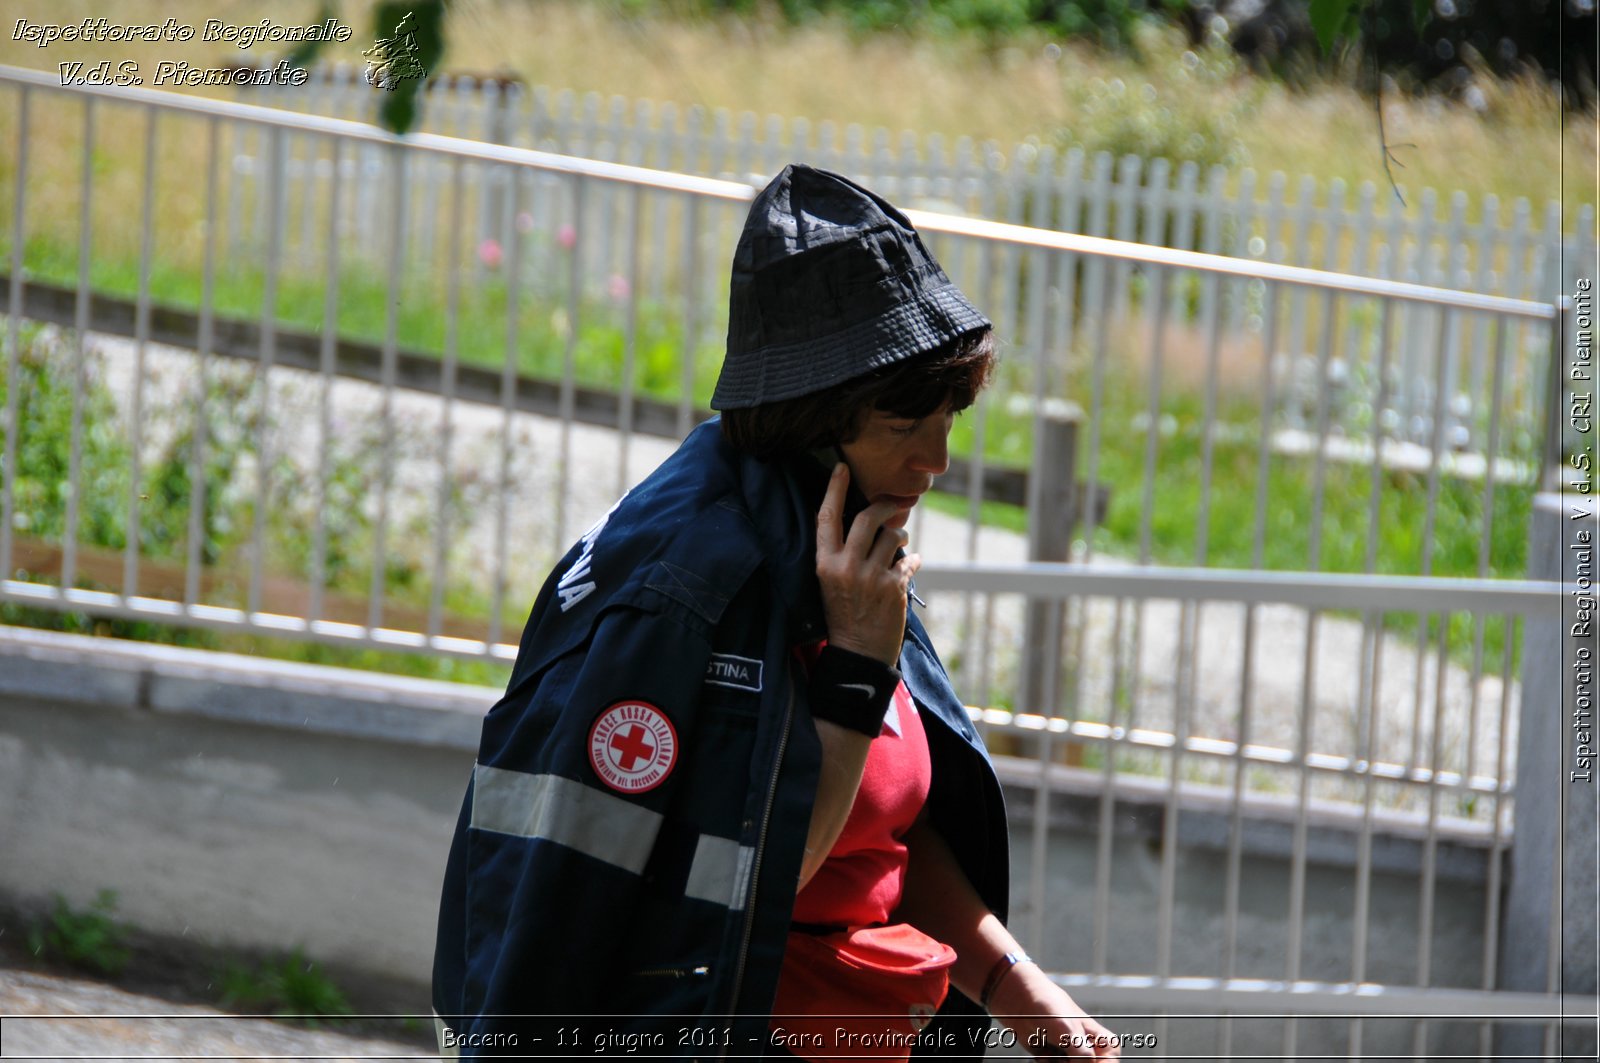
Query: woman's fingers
column 864, row 585
column 863, row 534
column 831, row 512
column 889, row 542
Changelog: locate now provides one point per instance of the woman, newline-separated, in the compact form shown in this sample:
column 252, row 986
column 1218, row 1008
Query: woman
column 729, row 804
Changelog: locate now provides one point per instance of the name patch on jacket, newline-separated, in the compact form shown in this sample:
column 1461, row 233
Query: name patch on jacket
column 633, row 747
column 728, row 670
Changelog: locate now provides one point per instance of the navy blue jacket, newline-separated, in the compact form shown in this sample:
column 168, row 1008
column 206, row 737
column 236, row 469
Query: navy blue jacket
column 578, row 897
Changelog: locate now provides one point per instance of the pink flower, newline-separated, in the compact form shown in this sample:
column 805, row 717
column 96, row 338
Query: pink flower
column 567, row 237
column 617, row 287
column 489, row 253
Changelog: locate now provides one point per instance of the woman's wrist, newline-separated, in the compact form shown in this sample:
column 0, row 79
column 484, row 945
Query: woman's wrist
column 1025, row 990
column 851, row 689
column 1001, row 972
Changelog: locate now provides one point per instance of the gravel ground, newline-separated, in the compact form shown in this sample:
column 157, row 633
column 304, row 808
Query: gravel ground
column 50, row 1017
column 1410, row 707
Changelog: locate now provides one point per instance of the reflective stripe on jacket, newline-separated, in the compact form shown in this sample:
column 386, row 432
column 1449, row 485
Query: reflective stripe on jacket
column 597, row 895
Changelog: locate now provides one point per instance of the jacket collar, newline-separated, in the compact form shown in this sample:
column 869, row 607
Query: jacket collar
column 782, row 497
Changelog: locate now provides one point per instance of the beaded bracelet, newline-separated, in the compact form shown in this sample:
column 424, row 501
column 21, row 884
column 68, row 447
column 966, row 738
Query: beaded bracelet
column 997, row 974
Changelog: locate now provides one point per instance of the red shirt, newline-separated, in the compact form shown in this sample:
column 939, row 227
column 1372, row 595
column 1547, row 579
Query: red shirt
column 861, row 881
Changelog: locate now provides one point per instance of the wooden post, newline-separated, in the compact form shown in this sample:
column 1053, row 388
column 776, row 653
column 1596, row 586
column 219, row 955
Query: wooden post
column 1053, row 498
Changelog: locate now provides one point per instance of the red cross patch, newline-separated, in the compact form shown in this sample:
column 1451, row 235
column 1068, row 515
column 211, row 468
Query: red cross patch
column 632, row 747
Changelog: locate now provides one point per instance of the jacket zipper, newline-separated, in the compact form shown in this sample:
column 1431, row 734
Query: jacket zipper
column 761, row 848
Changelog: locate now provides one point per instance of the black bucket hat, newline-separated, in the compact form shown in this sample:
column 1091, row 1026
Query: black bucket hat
column 829, row 282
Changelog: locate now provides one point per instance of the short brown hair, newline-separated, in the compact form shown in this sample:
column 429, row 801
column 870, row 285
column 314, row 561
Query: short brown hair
column 914, row 388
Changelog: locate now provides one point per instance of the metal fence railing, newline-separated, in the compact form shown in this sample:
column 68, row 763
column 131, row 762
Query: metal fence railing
column 378, row 449
column 1224, row 761
column 1457, row 244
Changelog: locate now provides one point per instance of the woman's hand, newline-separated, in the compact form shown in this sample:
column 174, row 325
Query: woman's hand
column 864, row 600
column 863, row 587
column 1046, row 1020
column 940, row 901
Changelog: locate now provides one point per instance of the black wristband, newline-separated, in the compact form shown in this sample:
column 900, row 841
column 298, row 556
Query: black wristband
column 852, row 690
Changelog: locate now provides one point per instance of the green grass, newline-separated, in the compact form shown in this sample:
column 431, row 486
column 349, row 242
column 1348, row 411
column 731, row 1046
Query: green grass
column 1007, row 436
column 1231, row 514
column 1179, row 468
column 1176, row 523
column 420, row 319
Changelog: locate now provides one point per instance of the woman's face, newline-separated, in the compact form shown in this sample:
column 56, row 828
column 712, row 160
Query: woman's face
column 894, row 459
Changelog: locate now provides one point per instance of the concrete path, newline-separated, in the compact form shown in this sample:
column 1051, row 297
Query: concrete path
column 48, row 1017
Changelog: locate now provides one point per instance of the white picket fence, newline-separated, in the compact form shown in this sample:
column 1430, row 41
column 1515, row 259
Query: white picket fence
column 1448, row 241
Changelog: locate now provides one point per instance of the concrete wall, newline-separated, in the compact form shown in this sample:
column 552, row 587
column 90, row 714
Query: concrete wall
column 247, row 803
column 255, row 804
column 1199, row 914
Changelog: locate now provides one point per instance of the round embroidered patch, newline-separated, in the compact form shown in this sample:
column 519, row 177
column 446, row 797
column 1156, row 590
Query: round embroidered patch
column 633, row 746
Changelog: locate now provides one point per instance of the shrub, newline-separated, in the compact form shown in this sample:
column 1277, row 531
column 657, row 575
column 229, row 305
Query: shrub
column 42, row 486
column 289, row 985
column 1110, row 23
column 1199, row 122
column 90, row 939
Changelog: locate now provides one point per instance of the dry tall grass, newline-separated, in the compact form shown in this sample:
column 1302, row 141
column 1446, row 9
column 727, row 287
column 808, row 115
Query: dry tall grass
column 1517, row 146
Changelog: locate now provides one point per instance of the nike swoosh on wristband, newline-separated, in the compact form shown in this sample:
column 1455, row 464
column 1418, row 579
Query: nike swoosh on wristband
column 865, row 688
